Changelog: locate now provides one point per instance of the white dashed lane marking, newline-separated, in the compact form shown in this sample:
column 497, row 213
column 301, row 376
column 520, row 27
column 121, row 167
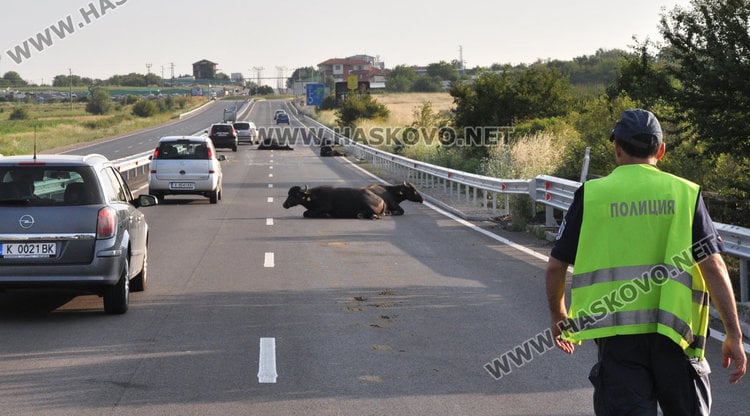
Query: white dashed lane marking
column 267, row 361
column 269, row 221
column 270, row 199
column 268, row 261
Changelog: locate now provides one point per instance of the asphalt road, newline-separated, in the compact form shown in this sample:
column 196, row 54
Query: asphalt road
column 397, row 316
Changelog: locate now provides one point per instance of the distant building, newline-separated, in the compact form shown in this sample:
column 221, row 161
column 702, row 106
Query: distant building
column 204, row 69
column 365, row 67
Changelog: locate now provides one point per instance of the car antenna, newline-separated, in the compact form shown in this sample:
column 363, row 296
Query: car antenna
column 34, row 142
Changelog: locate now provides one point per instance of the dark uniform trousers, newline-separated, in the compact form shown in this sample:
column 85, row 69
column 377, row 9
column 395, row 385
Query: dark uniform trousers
column 635, row 372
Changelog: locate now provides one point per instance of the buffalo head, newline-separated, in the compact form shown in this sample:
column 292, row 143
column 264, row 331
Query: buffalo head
column 410, row 193
column 297, row 196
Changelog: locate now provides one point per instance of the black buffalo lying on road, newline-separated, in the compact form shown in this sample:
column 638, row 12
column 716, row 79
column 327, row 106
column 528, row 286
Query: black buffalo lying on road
column 393, row 195
column 330, row 202
column 273, row 145
column 328, row 151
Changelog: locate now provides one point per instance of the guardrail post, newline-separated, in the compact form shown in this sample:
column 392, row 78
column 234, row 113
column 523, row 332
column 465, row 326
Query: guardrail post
column 550, row 217
column 744, row 289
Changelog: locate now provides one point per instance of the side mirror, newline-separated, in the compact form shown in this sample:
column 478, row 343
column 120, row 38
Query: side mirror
column 146, row 201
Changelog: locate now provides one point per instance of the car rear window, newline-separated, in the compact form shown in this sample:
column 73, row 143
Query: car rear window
column 242, row 126
column 48, row 186
column 221, row 128
column 183, row 150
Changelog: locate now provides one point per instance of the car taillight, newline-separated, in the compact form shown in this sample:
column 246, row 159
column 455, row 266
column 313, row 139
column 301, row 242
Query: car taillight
column 106, row 223
column 154, row 157
column 210, row 153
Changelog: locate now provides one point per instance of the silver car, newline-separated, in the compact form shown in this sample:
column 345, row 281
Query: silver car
column 246, row 131
column 186, row 165
column 71, row 222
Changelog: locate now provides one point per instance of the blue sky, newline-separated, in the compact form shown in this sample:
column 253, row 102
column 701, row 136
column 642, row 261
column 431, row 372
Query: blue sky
column 122, row 36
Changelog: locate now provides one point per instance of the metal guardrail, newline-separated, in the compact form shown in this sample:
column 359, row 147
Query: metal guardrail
column 554, row 193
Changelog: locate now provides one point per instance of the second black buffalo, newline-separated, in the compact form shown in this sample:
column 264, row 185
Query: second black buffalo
column 336, row 202
column 393, row 195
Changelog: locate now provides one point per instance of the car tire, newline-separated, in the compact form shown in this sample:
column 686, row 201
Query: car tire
column 234, row 148
column 116, row 297
column 140, row 281
column 158, row 195
column 214, row 197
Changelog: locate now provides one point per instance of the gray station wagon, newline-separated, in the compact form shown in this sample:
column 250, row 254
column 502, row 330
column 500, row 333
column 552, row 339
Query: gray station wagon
column 71, row 222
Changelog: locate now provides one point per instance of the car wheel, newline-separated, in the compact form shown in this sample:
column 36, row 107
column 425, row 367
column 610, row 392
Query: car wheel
column 116, row 297
column 214, row 197
column 234, row 148
column 140, row 281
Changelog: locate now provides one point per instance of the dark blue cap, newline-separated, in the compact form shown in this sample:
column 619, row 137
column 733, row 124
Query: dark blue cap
column 634, row 125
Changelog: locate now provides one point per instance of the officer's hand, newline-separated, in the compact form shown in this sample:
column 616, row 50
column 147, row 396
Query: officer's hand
column 732, row 349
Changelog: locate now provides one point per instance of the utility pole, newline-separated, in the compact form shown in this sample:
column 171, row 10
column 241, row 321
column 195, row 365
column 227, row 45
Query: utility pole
column 258, row 70
column 70, row 83
column 280, row 77
column 460, row 59
column 148, row 68
column 171, row 67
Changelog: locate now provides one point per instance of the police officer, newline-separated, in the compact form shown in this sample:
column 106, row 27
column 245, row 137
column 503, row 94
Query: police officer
column 647, row 257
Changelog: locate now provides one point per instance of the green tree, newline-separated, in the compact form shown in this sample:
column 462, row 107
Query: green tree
column 643, row 77
column 304, row 74
column 100, row 102
column 443, row 70
column 401, row 78
column 427, row 83
column 507, row 97
column 356, row 107
column 13, row 79
column 709, row 44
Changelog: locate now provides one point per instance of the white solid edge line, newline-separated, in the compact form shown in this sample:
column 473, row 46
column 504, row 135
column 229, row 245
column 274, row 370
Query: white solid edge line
column 714, row 333
column 267, row 361
column 474, row 227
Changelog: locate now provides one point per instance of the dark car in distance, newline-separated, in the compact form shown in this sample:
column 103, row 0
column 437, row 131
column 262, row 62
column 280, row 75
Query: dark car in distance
column 282, row 118
column 71, row 222
column 224, row 136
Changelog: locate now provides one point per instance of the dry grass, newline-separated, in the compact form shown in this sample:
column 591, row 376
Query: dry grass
column 527, row 157
column 58, row 126
column 401, row 107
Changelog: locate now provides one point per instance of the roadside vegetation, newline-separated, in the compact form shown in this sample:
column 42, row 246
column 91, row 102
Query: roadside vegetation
column 553, row 111
column 56, row 125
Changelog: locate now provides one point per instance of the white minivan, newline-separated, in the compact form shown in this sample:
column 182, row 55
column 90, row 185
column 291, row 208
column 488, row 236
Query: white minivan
column 185, row 165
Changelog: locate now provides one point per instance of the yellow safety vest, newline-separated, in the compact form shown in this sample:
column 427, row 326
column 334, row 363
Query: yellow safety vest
column 634, row 270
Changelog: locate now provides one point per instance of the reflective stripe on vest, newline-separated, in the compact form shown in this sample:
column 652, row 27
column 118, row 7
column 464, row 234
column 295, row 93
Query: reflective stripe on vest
column 634, row 270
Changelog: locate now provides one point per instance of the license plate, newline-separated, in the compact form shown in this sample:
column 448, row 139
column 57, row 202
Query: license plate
column 16, row 250
column 181, row 185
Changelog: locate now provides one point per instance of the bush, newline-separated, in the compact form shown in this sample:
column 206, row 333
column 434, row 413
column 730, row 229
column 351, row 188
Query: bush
column 19, row 113
column 329, row 103
column 130, row 99
column 145, row 108
column 100, row 102
column 357, row 107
